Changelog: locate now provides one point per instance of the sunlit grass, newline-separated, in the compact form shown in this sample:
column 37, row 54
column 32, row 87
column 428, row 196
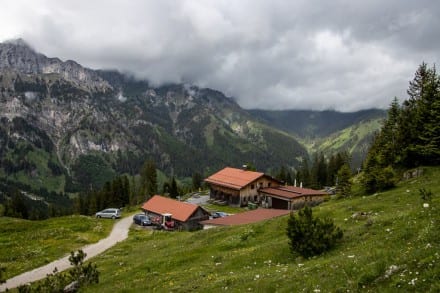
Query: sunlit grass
column 25, row 245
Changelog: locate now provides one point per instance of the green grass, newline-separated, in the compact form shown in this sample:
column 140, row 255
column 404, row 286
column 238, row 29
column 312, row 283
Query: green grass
column 25, row 245
column 220, row 208
column 397, row 235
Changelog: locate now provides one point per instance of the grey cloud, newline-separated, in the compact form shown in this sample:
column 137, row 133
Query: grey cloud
column 342, row 54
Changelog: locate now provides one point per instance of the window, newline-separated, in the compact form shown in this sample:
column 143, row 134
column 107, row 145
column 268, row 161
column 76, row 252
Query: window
column 252, row 186
column 268, row 184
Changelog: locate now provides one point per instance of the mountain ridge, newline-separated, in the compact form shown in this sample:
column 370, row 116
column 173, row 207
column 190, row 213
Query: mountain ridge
column 328, row 132
column 82, row 126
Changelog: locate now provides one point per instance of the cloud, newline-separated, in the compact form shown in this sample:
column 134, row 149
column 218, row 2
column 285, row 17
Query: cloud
column 341, row 54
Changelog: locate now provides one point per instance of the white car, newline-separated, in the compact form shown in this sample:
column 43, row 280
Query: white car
column 109, row 213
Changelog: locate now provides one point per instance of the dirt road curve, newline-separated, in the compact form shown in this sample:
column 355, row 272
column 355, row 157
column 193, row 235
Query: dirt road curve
column 119, row 233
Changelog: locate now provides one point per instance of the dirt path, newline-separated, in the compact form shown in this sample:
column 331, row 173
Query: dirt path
column 119, row 233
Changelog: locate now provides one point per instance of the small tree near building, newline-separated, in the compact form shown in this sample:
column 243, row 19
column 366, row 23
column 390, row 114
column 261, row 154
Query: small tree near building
column 344, row 183
column 311, row 236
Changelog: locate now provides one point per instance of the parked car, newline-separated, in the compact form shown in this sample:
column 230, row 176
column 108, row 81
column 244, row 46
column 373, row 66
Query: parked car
column 109, row 213
column 216, row 215
column 142, row 219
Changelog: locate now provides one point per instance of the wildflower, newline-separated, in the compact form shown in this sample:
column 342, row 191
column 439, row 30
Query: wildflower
column 426, row 205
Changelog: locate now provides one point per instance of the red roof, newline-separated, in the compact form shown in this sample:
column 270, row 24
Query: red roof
column 291, row 191
column 180, row 211
column 234, row 178
column 247, row 217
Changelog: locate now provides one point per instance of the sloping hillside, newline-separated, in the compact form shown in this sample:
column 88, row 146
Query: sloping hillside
column 355, row 139
column 328, row 131
column 315, row 124
column 391, row 243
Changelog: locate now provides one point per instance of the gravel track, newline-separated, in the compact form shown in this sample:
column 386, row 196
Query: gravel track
column 118, row 233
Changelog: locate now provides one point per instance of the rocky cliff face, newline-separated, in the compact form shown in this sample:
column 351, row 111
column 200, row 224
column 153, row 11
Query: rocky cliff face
column 19, row 57
column 62, row 122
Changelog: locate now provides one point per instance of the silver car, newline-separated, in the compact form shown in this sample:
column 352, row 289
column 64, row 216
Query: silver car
column 109, row 213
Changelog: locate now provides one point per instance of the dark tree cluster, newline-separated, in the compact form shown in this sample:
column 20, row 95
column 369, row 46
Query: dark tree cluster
column 114, row 194
column 410, row 136
column 323, row 171
column 19, row 201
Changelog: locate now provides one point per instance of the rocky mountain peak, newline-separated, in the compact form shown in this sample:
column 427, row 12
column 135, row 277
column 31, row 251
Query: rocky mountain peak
column 18, row 56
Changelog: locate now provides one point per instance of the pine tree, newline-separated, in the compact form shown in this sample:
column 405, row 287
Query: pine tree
column 390, row 135
column 305, row 178
column 311, row 236
column 344, row 183
column 419, row 124
column 282, row 174
column 174, row 192
column 196, row 181
column 149, row 179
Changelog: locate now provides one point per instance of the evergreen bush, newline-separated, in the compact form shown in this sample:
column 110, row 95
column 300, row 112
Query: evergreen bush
column 311, row 236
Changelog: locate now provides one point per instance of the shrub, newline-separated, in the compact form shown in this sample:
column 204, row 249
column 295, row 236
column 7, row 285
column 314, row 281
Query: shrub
column 2, row 270
column 425, row 195
column 310, row 236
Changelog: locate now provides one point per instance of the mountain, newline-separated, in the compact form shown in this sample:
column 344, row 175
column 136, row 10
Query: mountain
column 66, row 128
column 328, row 131
column 315, row 124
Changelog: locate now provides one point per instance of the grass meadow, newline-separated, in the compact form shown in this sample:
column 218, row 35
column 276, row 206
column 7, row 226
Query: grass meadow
column 391, row 244
column 25, row 245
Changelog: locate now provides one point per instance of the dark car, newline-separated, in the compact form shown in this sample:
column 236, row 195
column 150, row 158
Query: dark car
column 216, row 215
column 142, row 219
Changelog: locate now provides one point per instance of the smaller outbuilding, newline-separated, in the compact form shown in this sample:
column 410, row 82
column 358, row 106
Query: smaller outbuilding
column 186, row 216
column 290, row 197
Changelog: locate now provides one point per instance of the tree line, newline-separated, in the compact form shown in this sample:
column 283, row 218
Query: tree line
column 318, row 173
column 131, row 190
column 410, row 135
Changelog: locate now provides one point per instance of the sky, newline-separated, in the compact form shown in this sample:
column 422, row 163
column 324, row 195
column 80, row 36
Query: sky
column 345, row 55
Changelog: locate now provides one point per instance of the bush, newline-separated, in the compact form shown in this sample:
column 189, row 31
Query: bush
column 425, row 195
column 310, row 236
column 80, row 275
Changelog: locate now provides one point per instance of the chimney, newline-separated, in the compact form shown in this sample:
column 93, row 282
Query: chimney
column 301, row 185
column 245, row 167
column 294, row 184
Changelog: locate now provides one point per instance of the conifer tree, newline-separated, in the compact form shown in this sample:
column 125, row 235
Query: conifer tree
column 344, row 183
column 311, row 236
column 149, row 179
column 196, row 181
column 174, row 192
